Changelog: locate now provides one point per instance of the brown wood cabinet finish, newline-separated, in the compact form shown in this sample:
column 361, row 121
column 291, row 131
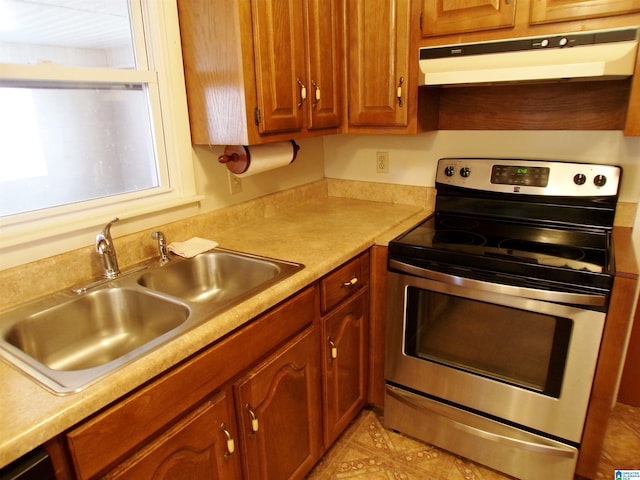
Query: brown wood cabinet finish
column 195, row 448
column 116, row 433
column 379, row 56
column 377, row 324
column 442, row 17
column 261, row 70
column 279, row 412
column 610, row 359
column 343, row 282
column 546, row 11
column 344, row 354
column 629, row 392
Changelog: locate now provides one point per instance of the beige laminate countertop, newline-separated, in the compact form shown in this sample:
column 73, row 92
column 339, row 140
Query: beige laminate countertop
column 320, row 234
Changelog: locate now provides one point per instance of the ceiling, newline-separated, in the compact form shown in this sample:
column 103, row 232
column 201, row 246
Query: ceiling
column 92, row 24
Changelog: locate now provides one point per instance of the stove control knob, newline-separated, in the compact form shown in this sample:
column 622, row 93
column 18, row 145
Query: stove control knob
column 465, row 172
column 450, row 171
column 599, row 180
column 579, row 178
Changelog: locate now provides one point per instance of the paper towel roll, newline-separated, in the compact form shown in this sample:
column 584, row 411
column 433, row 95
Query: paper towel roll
column 244, row 161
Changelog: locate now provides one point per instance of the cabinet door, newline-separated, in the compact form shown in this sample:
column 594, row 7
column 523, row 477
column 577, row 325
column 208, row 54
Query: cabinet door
column 442, row 17
column 324, row 34
column 200, row 446
column 378, row 62
column 343, row 352
column 278, row 42
column 279, row 412
column 547, row 11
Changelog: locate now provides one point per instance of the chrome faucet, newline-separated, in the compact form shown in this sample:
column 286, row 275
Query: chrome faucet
column 162, row 246
column 107, row 251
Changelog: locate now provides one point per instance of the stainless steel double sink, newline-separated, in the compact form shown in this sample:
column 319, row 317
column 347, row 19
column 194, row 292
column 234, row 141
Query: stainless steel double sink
column 69, row 340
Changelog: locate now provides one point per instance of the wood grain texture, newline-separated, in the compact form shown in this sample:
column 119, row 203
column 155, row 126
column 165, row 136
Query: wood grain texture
column 442, row 17
column 546, row 106
column 611, row 350
column 546, row 11
column 377, row 328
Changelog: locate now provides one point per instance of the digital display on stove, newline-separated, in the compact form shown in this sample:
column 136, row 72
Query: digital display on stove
column 518, row 175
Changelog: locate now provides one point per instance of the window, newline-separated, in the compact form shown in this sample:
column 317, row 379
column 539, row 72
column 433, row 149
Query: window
column 87, row 105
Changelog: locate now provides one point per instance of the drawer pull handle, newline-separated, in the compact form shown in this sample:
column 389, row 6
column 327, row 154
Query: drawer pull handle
column 231, row 446
column 334, row 349
column 351, row 282
column 254, row 419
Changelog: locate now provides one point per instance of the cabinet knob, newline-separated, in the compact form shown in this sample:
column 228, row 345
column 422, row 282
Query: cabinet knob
column 334, row 349
column 231, row 446
column 254, row 419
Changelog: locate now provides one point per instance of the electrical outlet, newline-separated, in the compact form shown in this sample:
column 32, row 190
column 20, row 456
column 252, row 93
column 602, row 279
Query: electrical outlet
column 235, row 183
column 382, row 162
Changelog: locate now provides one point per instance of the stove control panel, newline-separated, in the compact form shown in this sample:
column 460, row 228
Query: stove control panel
column 535, row 177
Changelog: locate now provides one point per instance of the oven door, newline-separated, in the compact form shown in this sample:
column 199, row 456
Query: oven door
column 526, row 361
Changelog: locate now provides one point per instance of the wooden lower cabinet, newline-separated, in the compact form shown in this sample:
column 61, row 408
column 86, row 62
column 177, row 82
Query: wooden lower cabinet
column 279, row 412
column 200, row 446
column 344, row 334
column 263, row 403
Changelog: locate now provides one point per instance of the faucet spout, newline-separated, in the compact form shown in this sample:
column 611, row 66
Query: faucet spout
column 162, row 246
column 107, row 251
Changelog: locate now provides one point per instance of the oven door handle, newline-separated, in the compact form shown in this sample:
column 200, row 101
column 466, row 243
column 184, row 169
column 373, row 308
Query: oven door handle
column 534, row 293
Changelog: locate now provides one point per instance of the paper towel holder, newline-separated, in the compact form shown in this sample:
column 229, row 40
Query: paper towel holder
column 237, row 158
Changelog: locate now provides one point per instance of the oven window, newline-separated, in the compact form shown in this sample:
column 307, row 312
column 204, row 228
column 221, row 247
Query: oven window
column 518, row 347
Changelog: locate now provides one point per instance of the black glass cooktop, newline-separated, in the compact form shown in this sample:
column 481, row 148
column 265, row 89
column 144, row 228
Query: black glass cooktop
column 520, row 243
column 536, row 252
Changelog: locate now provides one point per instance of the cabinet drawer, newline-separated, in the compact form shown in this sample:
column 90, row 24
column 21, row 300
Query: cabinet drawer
column 344, row 282
column 113, row 434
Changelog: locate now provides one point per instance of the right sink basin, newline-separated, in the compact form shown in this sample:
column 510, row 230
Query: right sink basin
column 216, row 276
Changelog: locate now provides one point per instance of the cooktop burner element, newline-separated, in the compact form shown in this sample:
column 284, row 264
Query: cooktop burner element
column 491, row 219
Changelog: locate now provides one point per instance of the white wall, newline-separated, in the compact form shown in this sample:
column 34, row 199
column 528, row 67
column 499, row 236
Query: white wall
column 412, row 159
column 212, row 177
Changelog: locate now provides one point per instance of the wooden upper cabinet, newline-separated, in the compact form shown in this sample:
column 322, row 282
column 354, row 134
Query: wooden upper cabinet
column 253, row 67
column 378, row 62
column 442, row 17
column 278, row 43
column 325, row 55
column 547, row 11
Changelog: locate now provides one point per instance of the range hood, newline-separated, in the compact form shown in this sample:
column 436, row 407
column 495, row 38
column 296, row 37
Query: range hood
column 591, row 55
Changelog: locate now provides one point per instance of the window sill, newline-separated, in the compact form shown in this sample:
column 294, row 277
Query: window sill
column 46, row 237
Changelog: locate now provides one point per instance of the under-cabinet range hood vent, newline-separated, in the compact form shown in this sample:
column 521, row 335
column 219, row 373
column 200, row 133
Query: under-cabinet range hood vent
column 589, row 55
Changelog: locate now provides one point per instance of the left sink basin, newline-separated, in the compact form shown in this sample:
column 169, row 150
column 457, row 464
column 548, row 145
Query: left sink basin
column 68, row 344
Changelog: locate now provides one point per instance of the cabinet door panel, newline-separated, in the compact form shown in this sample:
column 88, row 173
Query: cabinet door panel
column 547, row 11
column 195, row 448
column 278, row 35
column 442, row 17
column 278, row 409
column 324, row 25
column 378, row 62
column 343, row 351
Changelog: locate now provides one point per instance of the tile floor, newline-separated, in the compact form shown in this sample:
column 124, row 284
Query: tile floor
column 366, row 451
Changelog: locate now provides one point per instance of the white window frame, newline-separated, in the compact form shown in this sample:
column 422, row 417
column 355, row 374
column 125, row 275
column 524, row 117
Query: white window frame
column 34, row 235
